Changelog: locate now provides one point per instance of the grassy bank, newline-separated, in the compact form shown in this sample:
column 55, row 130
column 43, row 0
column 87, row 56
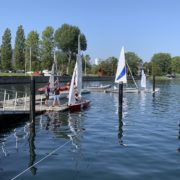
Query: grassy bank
column 161, row 77
column 13, row 74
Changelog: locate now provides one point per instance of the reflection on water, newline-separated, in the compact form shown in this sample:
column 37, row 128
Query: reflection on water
column 149, row 129
column 32, row 153
column 120, row 133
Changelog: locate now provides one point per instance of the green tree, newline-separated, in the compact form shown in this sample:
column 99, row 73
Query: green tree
column 163, row 61
column 19, row 49
column 61, row 61
column 86, row 66
column 156, row 70
column 147, row 68
column 66, row 38
column 175, row 64
column 47, row 48
column 108, row 66
column 6, row 50
column 32, row 52
column 134, row 63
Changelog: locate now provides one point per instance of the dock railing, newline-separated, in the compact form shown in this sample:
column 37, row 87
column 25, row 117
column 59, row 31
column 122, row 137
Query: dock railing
column 17, row 100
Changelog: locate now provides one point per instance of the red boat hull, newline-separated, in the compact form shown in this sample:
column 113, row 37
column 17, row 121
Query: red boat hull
column 61, row 88
column 79, row 106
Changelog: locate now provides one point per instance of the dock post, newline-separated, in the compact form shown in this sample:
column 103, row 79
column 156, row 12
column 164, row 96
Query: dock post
column 32, row 99
column 120, row 108
column 154, row 83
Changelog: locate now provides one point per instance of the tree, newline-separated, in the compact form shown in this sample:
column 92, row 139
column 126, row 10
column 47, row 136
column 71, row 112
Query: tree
column 156, row 70
column 47, row 47
column 175, row 64
column 134, row 62
column 19, row 49
column 163, row 61
column 32, row 51
column 147, row 68
column 86, row 66
column 107, row 67
column 61, row 61
column 6, row 50
column 66, row 38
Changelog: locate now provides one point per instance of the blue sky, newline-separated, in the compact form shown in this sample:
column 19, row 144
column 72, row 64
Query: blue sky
column 141, row 26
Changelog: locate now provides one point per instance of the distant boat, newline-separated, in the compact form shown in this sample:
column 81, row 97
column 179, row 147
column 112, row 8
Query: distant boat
column 99, row 88
column 143, row 80
column 76, row 85
column 143, row 84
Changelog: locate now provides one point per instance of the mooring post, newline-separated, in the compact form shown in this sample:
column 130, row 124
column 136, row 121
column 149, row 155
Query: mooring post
column 32, row 156
column 154, row 83
column 32, row 99
column 120, row 109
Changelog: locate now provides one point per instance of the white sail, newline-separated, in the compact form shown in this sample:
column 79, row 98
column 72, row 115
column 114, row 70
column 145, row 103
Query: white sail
column 79, row 69
column 71, row 90
column 121, row 69
column 143, row 79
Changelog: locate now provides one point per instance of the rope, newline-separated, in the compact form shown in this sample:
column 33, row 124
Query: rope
column 132, row 75
column 41, row 160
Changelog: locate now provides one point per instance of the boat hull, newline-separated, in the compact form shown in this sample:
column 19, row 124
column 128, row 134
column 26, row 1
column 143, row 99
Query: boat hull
column 125, row 90
column 98, row 88
column 79, row 106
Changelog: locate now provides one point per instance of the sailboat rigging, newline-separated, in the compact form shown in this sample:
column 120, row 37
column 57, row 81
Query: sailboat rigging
column 76, row 85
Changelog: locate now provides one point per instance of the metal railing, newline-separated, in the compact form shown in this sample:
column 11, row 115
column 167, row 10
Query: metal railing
column 17, row 100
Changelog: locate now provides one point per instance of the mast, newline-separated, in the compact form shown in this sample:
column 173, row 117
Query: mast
column 79, row 68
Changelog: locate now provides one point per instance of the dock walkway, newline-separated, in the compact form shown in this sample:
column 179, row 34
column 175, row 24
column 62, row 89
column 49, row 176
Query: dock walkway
column 21, row 105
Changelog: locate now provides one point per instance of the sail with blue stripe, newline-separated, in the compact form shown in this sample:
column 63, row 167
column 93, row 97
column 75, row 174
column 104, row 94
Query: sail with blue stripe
column 121, row 69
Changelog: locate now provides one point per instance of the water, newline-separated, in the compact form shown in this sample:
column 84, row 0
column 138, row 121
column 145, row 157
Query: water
column 94, row 144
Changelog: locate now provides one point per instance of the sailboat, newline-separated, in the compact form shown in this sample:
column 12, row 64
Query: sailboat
column 54, row 81
column 143, row 84
column 76, row 85
column 143, row 80
column 121, row 75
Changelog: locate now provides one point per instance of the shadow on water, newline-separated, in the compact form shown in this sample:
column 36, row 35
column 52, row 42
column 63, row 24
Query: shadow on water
column 11, row 122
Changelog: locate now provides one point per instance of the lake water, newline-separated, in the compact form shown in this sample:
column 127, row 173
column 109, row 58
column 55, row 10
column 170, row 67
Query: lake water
column 95, row 144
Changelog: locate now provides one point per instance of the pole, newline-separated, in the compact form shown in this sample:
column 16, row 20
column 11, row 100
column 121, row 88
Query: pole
column 30, row 59
column 154, row 83
column 85, row 65
column 120, row 108
column 32, row 100
column 32, row 156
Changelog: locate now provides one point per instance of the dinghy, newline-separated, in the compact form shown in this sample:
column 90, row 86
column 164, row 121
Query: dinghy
column 76, row 85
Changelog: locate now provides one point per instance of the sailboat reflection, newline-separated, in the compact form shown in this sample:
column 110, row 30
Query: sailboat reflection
column 21, row 133
column 3, row 147
column 74, row 123
column 32, row 148
column 76, row 133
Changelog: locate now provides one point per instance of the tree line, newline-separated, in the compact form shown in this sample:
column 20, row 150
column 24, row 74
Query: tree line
column 160, row 64
column 35, row 53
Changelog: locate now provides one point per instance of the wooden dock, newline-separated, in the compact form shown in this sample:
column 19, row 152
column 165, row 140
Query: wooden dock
column 20, row 106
